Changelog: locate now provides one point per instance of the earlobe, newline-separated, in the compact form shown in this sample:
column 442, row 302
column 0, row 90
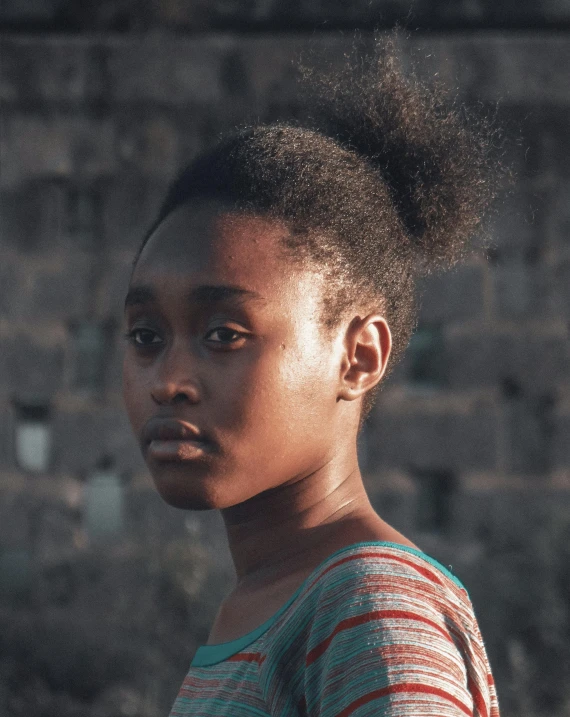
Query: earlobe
column 368, row 344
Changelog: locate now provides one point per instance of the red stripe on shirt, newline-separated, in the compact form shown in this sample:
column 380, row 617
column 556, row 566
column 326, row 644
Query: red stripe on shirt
column 426, row 572
column 403, row 687
column 349, row 622
column 477, row 697
column 247, row 657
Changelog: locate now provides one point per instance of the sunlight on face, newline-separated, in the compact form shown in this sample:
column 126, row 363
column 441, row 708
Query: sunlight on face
column 246, row 363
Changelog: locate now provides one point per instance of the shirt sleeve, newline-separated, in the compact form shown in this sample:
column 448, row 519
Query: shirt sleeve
column 393, row 645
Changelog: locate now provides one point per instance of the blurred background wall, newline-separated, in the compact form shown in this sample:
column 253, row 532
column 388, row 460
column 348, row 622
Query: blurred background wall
column 105, row 592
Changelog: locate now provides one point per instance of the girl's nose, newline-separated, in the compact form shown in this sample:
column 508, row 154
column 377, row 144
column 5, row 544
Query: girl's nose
column 164, row 395
column 174, row 381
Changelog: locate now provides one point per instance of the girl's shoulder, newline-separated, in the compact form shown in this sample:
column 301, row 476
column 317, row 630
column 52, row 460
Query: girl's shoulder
column 378, row 611
column 376, row 582
column 364, row 578
column 384, row 567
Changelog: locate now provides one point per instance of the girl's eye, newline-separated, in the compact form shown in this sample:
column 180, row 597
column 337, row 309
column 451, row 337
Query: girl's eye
column 225, row 335
column 145, row 335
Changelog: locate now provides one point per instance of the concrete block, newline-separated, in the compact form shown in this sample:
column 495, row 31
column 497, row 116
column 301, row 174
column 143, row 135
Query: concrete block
column 147, row 143
column 399, row 509
column 548, row 145
column 130, row 203
column 426, row 441
column 562, row 286
column 536, row 364
column 120, row 442
column 426, row 362
column 15, row 512
column 78, row 440
column 7, row 457
column 59, row 292
column 561, row 442
column 50, row 69
column 533, row 363
column 32, row 11
column 56, row 524
column 454, row 296
column 149, row 519
column 471, row 360
column 20, row 216
column 470, row 515
column 173, row 71
column 202, row 15
column 492, row 67
column 30, row 368
column 114, row 286
column 47, row 213
column 55, row 146
column 82, row 438
column 274, row 80
column 524, row 290
column 435, row 504
column 557, row 220
column 10, row 286
column 529, row 426
column 114, row 363
column 65, row 294
column 52, row 198
column 91, row 345
column 513, row 290
column 513, row 229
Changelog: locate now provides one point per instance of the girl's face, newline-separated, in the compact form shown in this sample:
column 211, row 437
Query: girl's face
column 224, row 334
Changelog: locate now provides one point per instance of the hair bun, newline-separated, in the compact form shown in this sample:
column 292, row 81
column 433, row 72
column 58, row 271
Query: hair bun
column 434, row 155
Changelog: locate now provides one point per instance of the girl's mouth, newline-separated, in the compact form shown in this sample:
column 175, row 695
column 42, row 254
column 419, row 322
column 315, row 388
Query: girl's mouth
column 174, row 440
column 176, row 450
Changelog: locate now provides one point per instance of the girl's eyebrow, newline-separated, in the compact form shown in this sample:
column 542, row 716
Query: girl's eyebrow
column 205, row 294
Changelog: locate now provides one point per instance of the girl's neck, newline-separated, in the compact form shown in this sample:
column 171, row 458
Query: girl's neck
column 290, row 530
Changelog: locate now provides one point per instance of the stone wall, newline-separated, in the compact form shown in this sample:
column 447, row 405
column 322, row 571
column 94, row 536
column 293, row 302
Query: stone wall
column 467, row 450
column 280, row 15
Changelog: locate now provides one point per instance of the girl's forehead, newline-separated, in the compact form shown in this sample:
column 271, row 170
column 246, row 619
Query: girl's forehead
column 210, row 232
column 211, row 244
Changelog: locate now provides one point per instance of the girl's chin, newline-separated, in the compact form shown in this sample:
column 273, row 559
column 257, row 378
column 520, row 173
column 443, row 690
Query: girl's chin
column 181, row 497
column 186, row 502
column 188, row 492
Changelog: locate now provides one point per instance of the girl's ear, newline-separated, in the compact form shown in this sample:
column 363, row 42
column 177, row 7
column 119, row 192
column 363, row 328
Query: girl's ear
column 368, row 343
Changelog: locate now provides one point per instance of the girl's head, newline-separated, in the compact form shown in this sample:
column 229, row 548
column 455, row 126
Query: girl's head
column 278, row 279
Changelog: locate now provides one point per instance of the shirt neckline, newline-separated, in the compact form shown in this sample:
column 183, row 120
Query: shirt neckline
column 207, row 655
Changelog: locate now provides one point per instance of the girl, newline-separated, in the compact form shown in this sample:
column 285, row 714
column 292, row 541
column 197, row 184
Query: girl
column 265, row 306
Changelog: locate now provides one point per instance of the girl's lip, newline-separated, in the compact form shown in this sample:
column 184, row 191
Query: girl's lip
column 176, row 450
column 170, row 429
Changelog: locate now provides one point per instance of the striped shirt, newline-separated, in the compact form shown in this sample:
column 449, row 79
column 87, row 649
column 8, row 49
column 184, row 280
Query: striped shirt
column 378, row 628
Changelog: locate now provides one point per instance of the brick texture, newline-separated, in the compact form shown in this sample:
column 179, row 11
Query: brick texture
column 93, row 127
column 203, row 15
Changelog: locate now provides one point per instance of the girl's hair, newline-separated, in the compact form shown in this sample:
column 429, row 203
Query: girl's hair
column 384, row 180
